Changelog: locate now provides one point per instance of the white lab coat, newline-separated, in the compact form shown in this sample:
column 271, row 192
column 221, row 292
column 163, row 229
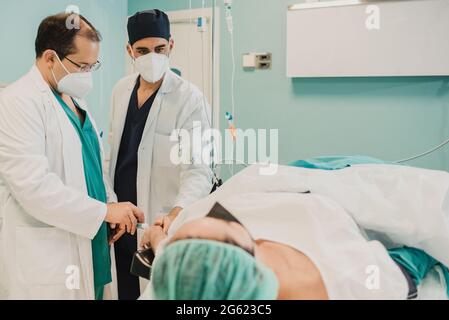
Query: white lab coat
column 47, row 220
column 162, row 185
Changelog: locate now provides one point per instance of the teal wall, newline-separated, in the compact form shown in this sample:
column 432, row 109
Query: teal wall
column 20, row 20
column 389, row 118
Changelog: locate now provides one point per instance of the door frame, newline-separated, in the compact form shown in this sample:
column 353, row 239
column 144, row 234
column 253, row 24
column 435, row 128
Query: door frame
column 181, row 16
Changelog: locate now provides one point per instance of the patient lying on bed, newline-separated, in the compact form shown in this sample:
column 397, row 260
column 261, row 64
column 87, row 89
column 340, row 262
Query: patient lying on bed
column 305, row 234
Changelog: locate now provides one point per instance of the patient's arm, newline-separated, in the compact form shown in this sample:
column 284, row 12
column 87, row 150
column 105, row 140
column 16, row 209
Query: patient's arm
column 153, row 236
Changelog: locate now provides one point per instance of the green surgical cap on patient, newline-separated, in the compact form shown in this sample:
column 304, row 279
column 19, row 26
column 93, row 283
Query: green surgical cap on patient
column 211, row 270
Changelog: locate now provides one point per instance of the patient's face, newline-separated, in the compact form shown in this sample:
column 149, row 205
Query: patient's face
column 217, row 230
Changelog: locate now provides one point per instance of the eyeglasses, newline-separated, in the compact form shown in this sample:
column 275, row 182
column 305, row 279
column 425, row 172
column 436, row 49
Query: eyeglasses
column 86, row 68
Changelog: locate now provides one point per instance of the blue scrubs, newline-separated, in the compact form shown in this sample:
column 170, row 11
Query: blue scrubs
column 125, row 186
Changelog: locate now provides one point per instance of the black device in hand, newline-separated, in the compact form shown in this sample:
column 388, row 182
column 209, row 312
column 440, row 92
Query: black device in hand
column 142, row 262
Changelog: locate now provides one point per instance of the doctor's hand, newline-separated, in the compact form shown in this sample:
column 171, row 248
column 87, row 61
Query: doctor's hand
column 125, row 213
column 165, row 221
column 153, row 237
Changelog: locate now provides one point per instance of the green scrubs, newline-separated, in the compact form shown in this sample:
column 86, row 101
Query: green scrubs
column 96, row 189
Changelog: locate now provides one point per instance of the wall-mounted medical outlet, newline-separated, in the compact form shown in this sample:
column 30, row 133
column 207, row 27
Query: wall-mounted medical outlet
column 260, row 61
column 202, row 24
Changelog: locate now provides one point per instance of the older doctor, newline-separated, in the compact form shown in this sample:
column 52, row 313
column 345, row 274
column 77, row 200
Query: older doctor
column 53, row 211
column 146, row 109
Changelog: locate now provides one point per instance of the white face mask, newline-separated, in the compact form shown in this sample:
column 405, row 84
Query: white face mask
column 152, row 67
column 76, row 85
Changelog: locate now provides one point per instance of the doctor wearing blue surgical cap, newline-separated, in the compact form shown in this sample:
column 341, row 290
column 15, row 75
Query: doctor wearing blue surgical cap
column 147, row 107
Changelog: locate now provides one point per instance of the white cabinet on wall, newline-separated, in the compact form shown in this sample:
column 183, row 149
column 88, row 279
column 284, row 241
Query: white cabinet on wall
column 362, row 38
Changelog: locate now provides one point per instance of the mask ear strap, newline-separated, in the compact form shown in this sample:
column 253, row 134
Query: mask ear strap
column 57, row 57
column 54, row 78
column 132, row 52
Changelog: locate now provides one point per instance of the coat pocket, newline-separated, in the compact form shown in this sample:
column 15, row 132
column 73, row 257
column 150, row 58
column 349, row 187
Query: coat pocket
column 165, row 173
column 166, row 153
column 43, row 255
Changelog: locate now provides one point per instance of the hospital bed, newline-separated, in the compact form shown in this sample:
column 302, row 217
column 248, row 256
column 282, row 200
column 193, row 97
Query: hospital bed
column 409, row 227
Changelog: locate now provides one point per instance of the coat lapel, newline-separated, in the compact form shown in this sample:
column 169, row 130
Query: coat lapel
column 120, row 108
column 71, row 147
column 166, row 87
